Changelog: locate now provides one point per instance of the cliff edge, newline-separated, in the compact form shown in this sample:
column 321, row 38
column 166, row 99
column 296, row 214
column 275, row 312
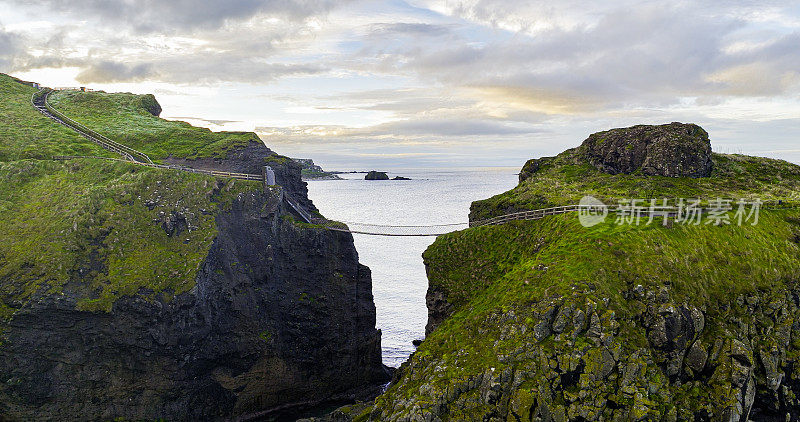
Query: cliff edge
column 140, row 293
column 553, row 320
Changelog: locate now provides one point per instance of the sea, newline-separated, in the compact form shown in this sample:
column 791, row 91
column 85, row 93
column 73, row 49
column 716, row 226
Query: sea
column 431, row 197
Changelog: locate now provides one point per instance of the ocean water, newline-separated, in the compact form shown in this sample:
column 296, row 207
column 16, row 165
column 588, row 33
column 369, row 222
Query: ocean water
column 398, row 274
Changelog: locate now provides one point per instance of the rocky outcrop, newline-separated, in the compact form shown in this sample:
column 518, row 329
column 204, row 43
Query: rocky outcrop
column 150, row 104
column 280, row 316
column 549, row 320
column 376, row 175
column 532, row 166
column 673, row 150
column 438, row 308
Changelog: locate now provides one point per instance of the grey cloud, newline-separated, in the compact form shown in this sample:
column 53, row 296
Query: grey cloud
column 199, row 69
column 107, row 71
column 174, row 15
column 650, row 54
column 9, row 48
column 448, row 128
column 409, row 29
column 211, row 121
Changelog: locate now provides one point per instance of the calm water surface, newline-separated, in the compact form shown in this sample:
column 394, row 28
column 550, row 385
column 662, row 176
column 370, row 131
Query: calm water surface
column 398, row 275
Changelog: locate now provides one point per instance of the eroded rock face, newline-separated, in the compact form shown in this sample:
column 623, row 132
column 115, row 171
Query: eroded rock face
column 575, row 358
column 280, row 316
column 673, row 150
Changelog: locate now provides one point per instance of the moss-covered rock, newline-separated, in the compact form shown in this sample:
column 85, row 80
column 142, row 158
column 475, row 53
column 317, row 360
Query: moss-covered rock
column 537, row 334
column 549, row 320
column 671, row 150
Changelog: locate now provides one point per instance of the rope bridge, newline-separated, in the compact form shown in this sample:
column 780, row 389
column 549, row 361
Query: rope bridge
column 393, row 230
column 130, row 155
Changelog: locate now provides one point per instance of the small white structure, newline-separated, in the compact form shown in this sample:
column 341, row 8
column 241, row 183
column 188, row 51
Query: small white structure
column 269, row 176
column 36, row 85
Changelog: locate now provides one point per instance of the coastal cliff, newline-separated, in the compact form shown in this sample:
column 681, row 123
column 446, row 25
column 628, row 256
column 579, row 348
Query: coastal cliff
column 553, row 320
column 140, row 293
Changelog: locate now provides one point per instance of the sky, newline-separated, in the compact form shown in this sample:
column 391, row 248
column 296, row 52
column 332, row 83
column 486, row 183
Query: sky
column 429, row 83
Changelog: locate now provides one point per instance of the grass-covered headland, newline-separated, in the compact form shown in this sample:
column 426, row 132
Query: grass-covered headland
column 97, row 221
column 130, row 292
column 549, row 320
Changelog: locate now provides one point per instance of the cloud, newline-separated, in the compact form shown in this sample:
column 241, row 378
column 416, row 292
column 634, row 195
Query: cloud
column 107, row 71
column 404, row 131
column 435, row 76
column 9, row 48
column 147, row 16
column 217, row 122
column 575, row 58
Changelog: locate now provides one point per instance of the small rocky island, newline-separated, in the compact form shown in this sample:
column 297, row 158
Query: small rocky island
column 381, row 175
column 311, row 171
column 376, row 175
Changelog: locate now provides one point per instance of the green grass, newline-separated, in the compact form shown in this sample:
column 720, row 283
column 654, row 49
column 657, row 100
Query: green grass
column 564, row 180
column 86, row 222
column 125, row 119
column 26, row 133
column 702, row 262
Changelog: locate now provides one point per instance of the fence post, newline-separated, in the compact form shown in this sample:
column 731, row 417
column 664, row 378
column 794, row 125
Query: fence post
column 269, row 176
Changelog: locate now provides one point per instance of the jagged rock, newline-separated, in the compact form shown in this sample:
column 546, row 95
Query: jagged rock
column 542, row 329
column 532, row 166
column 674, row 150
column 174, row 223
column 438, row 308
column 697, row 356
column 562, row 318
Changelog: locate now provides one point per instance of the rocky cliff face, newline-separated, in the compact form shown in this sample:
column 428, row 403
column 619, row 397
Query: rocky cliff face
column 673, row 150
column 576, row 359
column 280, row 315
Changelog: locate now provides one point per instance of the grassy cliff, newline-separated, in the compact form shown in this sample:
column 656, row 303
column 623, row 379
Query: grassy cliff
column 116, row 227
column 136, row 293
column 564, row 179
column 550, row 320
